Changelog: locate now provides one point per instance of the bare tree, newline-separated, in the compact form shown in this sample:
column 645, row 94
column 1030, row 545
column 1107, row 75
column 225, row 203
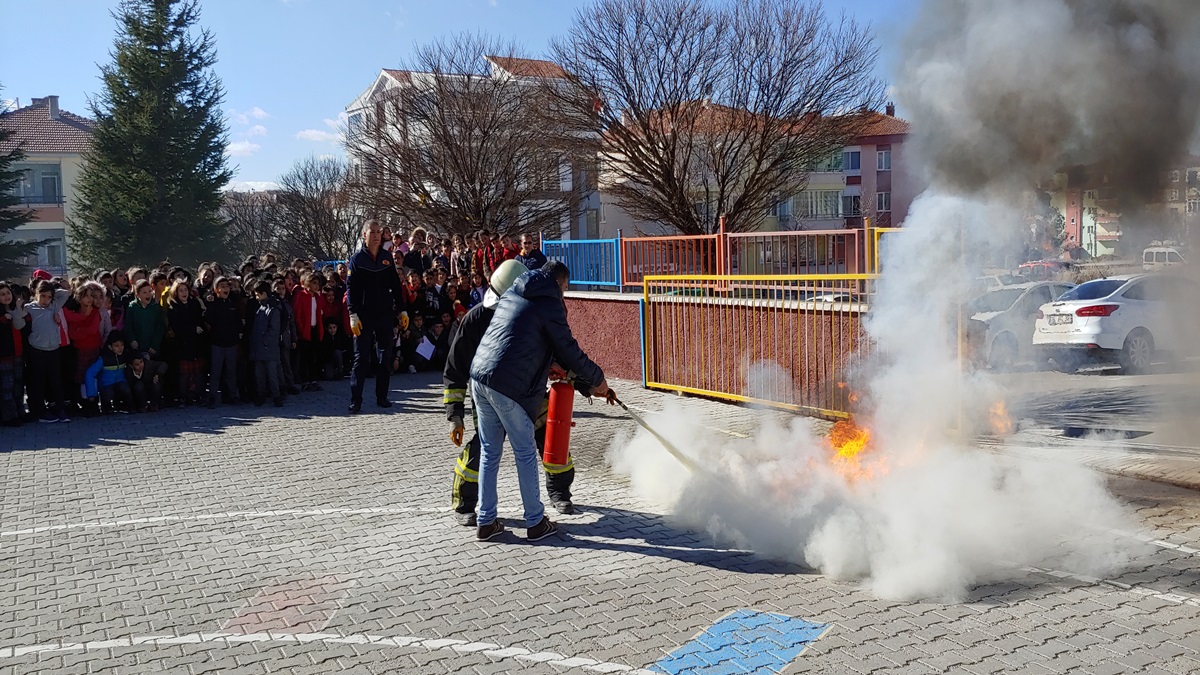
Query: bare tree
column 699, row 109
column 458, row 146
column 313, row 211
column 253, row 222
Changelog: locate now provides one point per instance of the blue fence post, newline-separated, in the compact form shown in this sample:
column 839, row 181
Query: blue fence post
column 642, row 334
column 621, row 278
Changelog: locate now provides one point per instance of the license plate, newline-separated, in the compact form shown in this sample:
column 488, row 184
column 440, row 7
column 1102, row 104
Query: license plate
column 1059, row 319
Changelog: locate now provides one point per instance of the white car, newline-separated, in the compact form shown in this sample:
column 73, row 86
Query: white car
column 1007, row 316
column 1126, row 319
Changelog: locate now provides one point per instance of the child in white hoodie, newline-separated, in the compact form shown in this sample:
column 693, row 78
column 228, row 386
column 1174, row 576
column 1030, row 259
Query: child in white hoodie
column 45, row 366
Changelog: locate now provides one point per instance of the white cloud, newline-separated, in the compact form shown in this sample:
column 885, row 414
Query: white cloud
column 252, row 186
column 319, row 136
column 339, row 123
column 256, row 130
column 242, row 148
column 244, row 118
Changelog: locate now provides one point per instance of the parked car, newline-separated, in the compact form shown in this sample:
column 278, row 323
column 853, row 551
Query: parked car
column 1044, row 270
column 1004, row 320
column 993, row 281
column 1130, row 320
column 1161, row 257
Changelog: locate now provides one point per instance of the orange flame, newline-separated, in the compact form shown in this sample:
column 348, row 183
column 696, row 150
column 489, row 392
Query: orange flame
column 999, row 419
column 853, row 455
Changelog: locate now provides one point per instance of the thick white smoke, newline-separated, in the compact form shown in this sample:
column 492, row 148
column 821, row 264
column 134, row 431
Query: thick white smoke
column 1002, row 95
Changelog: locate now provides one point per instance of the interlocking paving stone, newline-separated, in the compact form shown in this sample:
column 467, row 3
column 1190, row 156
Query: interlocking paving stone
column 181, row 519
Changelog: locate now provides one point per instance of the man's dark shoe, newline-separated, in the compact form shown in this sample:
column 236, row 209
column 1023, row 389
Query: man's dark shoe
column 466, row 519
column 563, row 506
column 384, row 403
column 355, row 408
column 490, row 530
column 541, row 530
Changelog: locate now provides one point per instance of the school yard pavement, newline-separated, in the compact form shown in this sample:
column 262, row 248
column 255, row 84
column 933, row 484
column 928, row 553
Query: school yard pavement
column 305, row 541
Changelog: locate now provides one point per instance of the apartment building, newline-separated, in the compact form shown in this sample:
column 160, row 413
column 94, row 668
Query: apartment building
column 867, row 179
column 562, row 187
column 55, row 142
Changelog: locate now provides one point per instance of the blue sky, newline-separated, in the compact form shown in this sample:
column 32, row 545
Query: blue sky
column 290, row 66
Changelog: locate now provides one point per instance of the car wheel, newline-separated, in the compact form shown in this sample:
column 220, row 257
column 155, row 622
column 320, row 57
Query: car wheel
column 1003, row 354
column 1138, row 351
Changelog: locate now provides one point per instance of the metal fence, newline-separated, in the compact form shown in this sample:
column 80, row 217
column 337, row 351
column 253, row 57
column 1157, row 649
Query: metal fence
column 800, row 252
column 789, row 341
column 627, row 261
column 595, row 262
column 646, row 256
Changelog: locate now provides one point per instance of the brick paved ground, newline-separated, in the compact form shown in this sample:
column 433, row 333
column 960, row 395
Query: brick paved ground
column 306, row 541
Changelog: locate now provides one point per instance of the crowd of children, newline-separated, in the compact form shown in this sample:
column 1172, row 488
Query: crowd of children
column 137, row 339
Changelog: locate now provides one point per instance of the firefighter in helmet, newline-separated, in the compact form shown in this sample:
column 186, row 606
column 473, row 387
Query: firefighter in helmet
column 456, row 377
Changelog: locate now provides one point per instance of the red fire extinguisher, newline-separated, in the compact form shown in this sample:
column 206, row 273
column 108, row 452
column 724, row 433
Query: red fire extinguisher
column 558, row 423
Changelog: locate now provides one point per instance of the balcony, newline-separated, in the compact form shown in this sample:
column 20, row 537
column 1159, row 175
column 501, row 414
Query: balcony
column 41, row 200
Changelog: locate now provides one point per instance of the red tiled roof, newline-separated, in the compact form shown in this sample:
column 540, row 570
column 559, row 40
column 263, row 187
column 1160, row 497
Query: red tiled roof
column 885, row 125
column 36, row 132
column 528, row 67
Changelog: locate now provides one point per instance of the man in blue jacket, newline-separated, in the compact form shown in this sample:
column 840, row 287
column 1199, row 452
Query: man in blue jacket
column 508, row 378
column 375, row 298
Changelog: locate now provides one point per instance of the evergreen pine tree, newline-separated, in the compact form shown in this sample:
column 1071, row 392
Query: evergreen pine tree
column 152, row 183
column 12, row 213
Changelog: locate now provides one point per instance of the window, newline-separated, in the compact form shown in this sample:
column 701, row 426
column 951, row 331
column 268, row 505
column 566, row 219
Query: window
column 852, row 205
column 592, row 222
column 884, row 160
column 55, row 255
column 852, row 160
column 1173, row 257
column 821, row 203
column 831, row 164
column 883, row 202
column 1035, row 299
column 1090, row 194
column 50, row 186
column 603, row 212
column 782, row 208
column 1173, row 177
column 1172, row 195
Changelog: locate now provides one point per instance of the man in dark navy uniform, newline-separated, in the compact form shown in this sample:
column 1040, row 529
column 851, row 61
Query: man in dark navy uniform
column 375, row 298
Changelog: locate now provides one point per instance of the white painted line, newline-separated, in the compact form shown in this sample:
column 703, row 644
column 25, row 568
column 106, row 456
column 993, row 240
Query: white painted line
column 229, row 515
column 1115, row 586
column 432, row 644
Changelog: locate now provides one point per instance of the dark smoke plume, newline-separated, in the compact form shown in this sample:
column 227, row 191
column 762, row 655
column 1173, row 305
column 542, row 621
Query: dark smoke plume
column 1007, row 92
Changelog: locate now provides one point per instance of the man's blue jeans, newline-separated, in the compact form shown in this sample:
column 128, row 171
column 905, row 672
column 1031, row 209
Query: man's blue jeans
column 498, row 416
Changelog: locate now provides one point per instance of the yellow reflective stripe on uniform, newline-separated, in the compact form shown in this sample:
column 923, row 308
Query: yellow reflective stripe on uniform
column 454, row 395
column 559, row 468
column 466, row 474
column 462, row 469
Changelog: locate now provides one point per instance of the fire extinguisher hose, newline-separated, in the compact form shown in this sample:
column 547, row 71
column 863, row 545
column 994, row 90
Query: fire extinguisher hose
column 687, row 462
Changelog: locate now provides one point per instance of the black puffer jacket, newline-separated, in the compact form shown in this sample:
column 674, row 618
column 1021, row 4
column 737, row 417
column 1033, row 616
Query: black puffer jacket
column 527, row 333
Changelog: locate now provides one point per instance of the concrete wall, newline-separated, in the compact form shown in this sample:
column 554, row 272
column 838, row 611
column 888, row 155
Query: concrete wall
column 608, row 328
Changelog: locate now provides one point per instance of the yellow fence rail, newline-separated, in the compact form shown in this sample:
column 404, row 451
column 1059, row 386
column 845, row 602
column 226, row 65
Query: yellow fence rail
column 876, row 242
column 791, row 341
